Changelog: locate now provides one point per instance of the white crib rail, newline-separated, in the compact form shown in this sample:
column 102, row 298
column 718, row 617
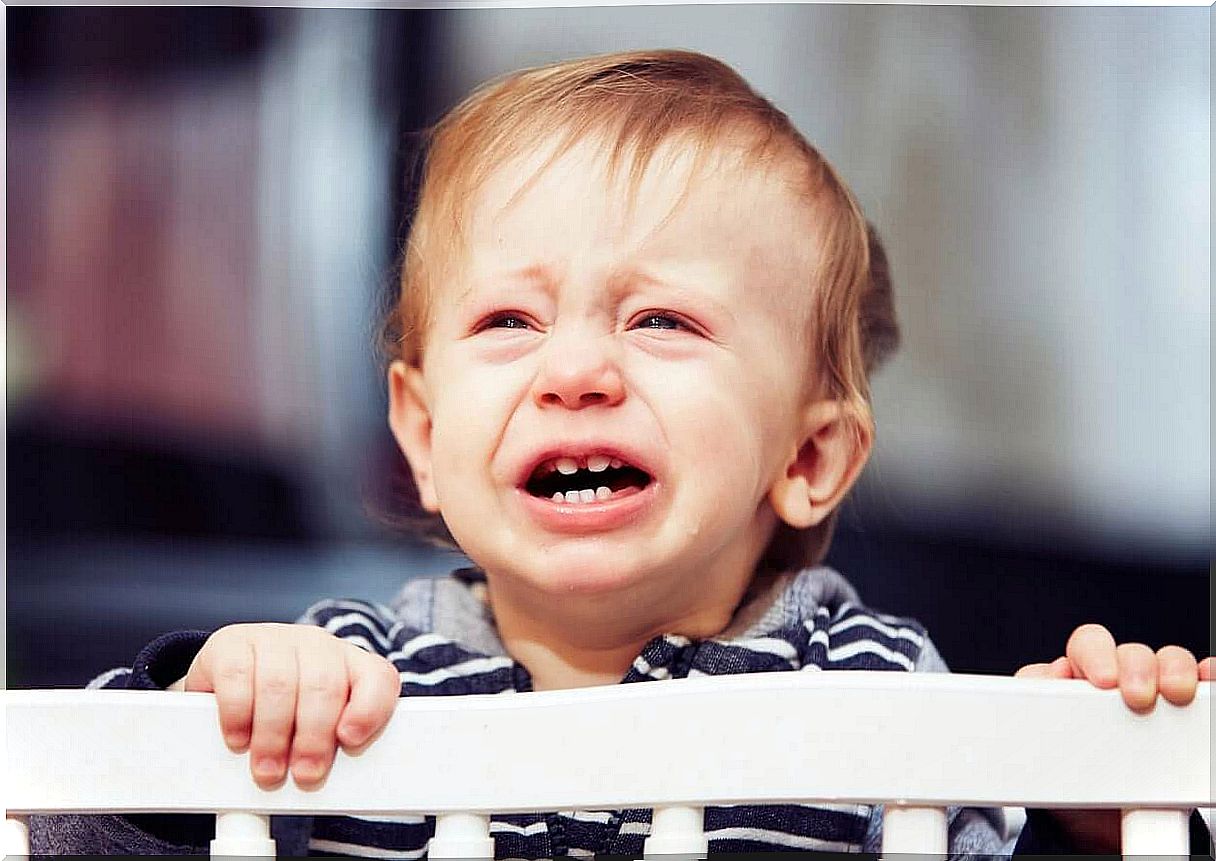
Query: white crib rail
column 917, row 744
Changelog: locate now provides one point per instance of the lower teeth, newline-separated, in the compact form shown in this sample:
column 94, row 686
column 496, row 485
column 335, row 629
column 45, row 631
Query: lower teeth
column 576, row 497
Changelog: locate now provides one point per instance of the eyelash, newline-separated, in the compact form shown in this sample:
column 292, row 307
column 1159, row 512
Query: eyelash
column 677, row 323
column 513, row 320
column 495, row 321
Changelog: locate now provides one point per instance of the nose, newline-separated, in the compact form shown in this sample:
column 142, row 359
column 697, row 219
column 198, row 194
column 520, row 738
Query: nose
column 578, row 372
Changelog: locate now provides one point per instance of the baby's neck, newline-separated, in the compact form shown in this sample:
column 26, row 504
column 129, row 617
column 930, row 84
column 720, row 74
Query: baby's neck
column 574, row 648
column 558, row 669
column 597, row 643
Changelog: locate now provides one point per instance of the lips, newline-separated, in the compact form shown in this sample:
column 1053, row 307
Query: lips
column 584, row 480
column 571, row 466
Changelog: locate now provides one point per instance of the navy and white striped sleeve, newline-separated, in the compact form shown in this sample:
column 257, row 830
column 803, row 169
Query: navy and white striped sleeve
column 364, row 623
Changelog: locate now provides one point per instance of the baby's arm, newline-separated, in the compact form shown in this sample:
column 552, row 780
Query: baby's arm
column 1140, row 674
column 290, row 694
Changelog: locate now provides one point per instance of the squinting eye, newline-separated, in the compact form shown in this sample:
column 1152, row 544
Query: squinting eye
column 659, row 321
column 505, row 321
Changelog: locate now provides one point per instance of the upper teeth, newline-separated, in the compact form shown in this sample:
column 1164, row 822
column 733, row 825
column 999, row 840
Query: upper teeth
column 595, row 463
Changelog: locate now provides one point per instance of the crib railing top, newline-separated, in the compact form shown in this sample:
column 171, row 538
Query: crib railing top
column 765, row 738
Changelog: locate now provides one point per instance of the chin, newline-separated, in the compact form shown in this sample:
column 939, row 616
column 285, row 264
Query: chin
column 584, row 568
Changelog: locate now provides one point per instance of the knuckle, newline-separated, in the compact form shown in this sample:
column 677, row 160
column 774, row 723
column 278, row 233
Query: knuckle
column 232, row 669
column 321, row 684
column 275, row 684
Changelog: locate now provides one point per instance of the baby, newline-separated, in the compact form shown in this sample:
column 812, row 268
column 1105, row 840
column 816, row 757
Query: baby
column 629, row 372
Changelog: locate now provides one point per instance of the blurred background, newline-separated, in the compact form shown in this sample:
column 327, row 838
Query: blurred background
column 203, row 209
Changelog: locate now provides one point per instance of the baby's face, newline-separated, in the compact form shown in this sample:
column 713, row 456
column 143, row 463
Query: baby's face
column 612, row 393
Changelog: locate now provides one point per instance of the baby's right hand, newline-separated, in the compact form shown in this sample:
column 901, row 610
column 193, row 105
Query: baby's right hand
column 292, row 693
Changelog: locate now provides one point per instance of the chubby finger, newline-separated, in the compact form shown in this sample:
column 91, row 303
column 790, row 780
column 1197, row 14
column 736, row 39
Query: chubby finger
column 1177, row 674
column 375, row 686
column 323, row 688
column 1091, row 652
column 229, row 673
column 1137, row 675
column 1207, row 669
column 274, row 710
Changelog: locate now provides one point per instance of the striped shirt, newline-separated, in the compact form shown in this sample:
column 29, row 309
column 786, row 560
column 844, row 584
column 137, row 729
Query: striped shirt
column 440, row 635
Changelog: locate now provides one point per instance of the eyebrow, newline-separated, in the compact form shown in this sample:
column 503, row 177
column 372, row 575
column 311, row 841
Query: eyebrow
column 620, row 283
column 623, row 279
column 533, row 275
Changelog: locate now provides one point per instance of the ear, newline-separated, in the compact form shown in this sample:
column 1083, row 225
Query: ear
column 831, row 450
column 409, row 418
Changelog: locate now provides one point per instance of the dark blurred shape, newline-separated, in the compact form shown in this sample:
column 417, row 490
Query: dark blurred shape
column 89, row 481
column 993, row 605
column 60, row 44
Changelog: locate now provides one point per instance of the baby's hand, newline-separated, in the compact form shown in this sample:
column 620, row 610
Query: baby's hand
column 291, row 693
column 1139, row 673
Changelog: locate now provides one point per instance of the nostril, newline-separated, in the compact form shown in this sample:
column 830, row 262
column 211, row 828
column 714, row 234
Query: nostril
column 571, row 401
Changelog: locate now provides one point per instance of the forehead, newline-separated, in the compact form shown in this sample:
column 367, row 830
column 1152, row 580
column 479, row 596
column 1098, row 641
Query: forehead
column 717, row 205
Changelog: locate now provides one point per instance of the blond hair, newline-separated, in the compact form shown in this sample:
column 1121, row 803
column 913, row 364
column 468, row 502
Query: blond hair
column 632, row 103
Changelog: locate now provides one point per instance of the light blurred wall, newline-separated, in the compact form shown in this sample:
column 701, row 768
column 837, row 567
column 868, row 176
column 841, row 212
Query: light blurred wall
column 1041, row 177
column 327, row 144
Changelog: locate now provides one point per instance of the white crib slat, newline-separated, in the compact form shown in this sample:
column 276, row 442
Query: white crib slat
column 246, row 834
column 1155, row 832
column 16, row 838
column 677, row 830
column 914, row 830
column 478, row 753
column 461, row 835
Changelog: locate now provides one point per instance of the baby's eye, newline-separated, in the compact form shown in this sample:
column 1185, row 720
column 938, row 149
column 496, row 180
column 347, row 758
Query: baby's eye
column 659, row 320
column 504, row 320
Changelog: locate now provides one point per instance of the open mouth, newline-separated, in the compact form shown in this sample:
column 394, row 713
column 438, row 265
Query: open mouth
column 582, row 480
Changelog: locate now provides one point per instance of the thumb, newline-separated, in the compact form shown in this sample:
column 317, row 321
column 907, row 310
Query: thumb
column 200, row 677
column 1057, row 669
column 1034, row 671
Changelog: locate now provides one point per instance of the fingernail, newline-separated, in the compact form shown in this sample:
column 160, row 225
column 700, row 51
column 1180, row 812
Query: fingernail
column 308, row 772
column 236, row 742
column 268, row 767
column 306, row 767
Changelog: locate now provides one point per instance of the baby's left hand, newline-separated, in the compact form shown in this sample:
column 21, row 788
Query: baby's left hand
column 1140, row 674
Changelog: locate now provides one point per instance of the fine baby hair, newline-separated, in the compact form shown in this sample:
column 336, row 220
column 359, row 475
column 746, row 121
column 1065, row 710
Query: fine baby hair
column 631, row 104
